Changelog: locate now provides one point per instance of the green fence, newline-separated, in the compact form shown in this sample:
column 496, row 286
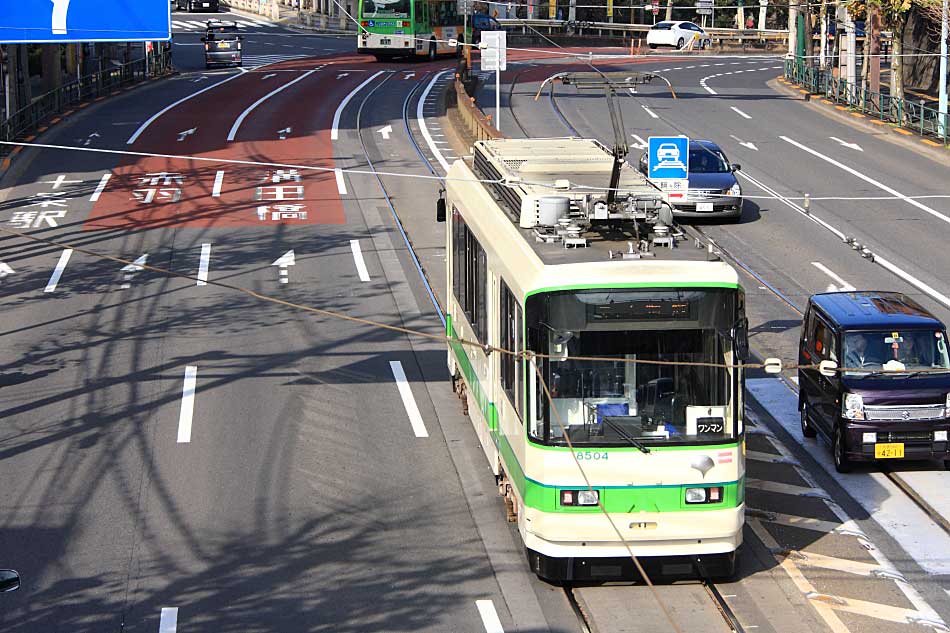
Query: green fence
column 29, row 119
column 906, row 113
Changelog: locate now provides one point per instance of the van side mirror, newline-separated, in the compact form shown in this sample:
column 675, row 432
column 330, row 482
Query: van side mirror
column 735, row 167
column 440, row 210
column 828, row 368
column 9, row 580
column 742, row 339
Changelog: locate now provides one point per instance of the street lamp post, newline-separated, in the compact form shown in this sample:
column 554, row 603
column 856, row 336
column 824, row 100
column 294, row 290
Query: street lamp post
column 942, row 103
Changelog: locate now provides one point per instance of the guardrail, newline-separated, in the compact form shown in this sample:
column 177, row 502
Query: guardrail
column 29, row 119
column 902, row 112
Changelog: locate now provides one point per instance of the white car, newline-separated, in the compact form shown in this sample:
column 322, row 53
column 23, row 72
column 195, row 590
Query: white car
column 677, row 35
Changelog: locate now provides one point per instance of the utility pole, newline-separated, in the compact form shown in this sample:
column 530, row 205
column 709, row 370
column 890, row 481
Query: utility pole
column 942, row 103
column 793, row 28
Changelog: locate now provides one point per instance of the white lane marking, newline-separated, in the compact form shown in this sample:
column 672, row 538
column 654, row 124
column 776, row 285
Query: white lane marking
column 218, row 181
column 408, row 401
column 843, row 286
column 186, row 414
column 846, row 144
column 203, row 264
column 58, row 271
column 360, row 262
column 651, row 112
column 708, row 89
column 739, row 112
column 420, row 119
column 155, row 116
column 868, row 179
column 169, row 620
column 285, row 260
column 486, row 609
column 340, row 183
column 237, row 122
column 100, row 187
column 131, row 269
column 640, row 143
column 334, row 129
column 5, row 270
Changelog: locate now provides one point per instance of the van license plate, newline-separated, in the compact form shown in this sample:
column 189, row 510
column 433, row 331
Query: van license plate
column 704, row 206
column 888, row 451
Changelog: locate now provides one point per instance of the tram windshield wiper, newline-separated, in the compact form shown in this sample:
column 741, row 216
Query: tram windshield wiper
column 622, row 433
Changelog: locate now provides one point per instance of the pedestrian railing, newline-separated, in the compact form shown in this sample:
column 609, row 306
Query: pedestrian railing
column 29, row 119
column 916, row 116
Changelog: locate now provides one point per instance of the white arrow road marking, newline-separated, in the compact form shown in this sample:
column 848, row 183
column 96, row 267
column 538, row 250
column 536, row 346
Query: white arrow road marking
column 203, row 265
column 285, row 260
column 651, row 112
column 268, row 76
column 486, row 609
column 185, row 416
column 284, row 132
column 739, row 112
column 843, row 286
column 218, row 182
column 334, row 128
column 640, row 143
column 408, row 401
column 237, row 122
column 5, row 270
column 846, row 144
column 358, row 258
column 386, row 131
column 183, row 134
column 340, row 183
column 90, row 137
column 100, row 187
column 409, row 75
column 58, row 271
column 169, row 620
column 342, row 75
column 748, row 144
column 199, row 79
column 133, row 268
column 867, row 179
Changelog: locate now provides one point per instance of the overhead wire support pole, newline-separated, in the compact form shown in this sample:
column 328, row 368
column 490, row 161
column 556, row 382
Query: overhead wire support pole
column 942, row 102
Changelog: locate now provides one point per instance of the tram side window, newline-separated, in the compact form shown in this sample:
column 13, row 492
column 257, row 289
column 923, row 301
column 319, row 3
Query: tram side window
column 470, row 275
column 510, row 339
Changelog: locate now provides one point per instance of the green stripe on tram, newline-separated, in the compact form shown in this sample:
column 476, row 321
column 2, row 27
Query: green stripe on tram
column 618, row 499
column 643, row 284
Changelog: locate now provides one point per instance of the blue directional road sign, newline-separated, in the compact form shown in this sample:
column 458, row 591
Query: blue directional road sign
column 60, row 21
column 668, row 157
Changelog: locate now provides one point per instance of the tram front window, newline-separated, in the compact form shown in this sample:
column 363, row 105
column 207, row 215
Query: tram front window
column 638, row 368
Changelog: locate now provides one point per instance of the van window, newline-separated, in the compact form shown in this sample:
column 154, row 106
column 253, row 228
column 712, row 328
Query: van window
column 823, row 340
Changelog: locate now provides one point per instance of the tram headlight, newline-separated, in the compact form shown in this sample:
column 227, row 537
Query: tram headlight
column 704, row 495
column 580, row 497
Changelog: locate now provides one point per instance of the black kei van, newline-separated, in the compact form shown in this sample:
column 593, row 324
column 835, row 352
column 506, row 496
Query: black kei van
column 889, row 396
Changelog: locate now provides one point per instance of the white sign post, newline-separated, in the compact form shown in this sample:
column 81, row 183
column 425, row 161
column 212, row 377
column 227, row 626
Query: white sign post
column 494, row 47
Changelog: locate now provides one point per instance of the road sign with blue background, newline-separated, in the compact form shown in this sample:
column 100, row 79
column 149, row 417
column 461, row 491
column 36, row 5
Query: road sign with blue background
column 668, row 157
column 35, row 21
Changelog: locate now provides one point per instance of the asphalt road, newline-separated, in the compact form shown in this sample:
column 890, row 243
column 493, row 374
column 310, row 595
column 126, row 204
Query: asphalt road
column 194, row 440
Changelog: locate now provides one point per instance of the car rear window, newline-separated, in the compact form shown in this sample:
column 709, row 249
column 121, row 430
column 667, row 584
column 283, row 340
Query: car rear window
column 662, row 26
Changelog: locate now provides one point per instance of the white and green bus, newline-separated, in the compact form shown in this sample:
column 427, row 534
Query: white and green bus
column 629, row 367
column 409, row 28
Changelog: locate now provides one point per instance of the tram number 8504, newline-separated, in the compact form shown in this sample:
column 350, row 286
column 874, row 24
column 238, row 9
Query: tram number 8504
column 592, row 455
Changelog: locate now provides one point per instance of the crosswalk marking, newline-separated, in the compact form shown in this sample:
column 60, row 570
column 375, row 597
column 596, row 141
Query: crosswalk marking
column 264, row 60
column 203, row 24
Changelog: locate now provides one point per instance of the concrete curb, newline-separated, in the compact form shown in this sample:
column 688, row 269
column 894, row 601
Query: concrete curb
column 862, row 122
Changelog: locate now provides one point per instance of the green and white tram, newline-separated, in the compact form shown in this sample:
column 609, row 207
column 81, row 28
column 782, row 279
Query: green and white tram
column 656, row 420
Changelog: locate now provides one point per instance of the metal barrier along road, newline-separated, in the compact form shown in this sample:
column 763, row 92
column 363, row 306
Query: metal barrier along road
column 912, row 115
column 29, row 119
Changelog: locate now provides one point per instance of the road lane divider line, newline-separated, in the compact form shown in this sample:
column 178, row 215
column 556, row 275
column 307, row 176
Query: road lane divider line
column 218, row 181
column 423, row 127
column 100, row 187
column 868, row 179
column 203, row 264
column 408, row 400
column 237, row 122
column 58, row 271
column 169, row 620
column 186, row 414
column 843, row 286
column 486, row 609
column 155, row 116
column 335, row 128
column 360, row 262
column 651, row 112
column 340, row 183
column 739, row 112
